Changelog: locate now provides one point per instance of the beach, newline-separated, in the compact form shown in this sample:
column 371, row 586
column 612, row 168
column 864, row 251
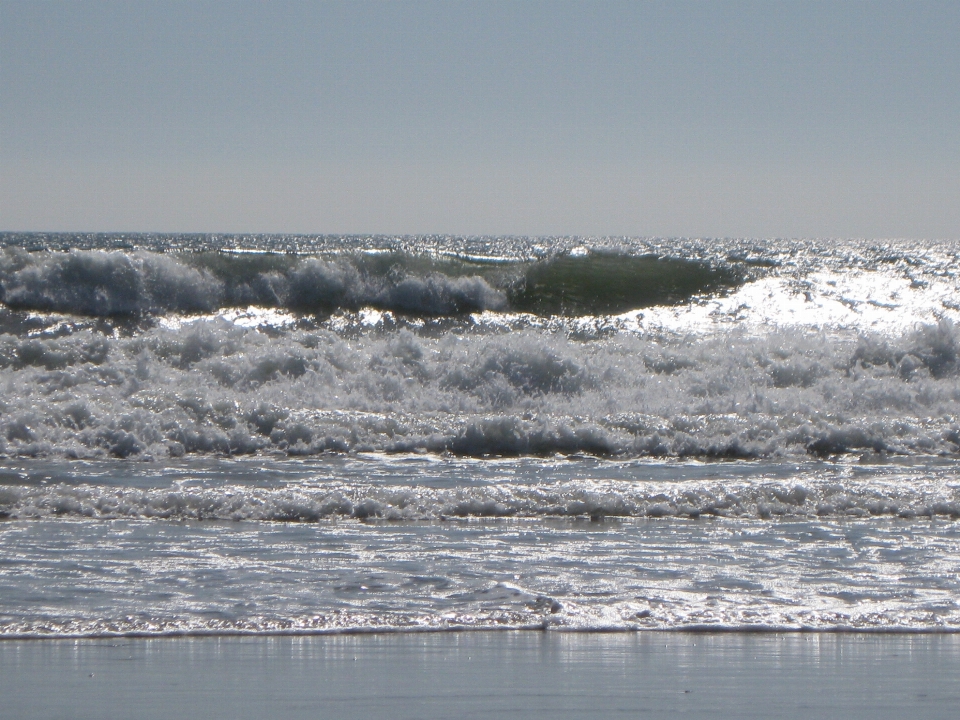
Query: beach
column 486, row 675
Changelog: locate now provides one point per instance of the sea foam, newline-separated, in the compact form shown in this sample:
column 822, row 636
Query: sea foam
column 213, row 386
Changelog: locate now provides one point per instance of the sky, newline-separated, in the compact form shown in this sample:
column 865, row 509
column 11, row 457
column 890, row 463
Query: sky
column 694, row 119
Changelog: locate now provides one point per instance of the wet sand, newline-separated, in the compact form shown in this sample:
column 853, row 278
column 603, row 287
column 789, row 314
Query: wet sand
column 486, row 674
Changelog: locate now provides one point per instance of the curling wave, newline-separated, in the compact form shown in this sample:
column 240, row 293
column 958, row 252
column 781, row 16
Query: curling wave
column 109, row 284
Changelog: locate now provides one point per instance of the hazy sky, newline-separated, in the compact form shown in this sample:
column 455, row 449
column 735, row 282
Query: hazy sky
column 606, row 118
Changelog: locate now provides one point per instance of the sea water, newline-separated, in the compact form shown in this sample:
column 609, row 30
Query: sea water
column 208, row 435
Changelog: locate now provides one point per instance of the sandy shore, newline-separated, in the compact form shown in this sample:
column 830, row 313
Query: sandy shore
column 485, row 674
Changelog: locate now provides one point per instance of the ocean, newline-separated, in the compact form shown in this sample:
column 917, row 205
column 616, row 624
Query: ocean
column 293, row 435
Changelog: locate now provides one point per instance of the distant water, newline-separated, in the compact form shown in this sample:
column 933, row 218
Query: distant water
column 221, row 434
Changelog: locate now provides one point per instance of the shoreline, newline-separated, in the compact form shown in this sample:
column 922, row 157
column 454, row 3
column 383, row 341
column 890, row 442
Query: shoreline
column 544, row 628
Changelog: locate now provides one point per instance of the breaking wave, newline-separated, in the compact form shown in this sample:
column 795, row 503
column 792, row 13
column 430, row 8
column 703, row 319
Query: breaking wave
column 593, row 499
column 109, row 284
column 212, row 386
column 740, row 350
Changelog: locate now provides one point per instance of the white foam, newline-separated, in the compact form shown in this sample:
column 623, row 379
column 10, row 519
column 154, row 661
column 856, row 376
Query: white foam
column 595, row 499
column 220, row 386
column 870, row 301
column 104, row 284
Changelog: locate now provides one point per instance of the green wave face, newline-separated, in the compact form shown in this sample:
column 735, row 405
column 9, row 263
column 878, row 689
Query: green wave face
column 603, row 284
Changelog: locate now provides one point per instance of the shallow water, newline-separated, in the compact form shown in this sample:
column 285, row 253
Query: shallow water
column 410, row 543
